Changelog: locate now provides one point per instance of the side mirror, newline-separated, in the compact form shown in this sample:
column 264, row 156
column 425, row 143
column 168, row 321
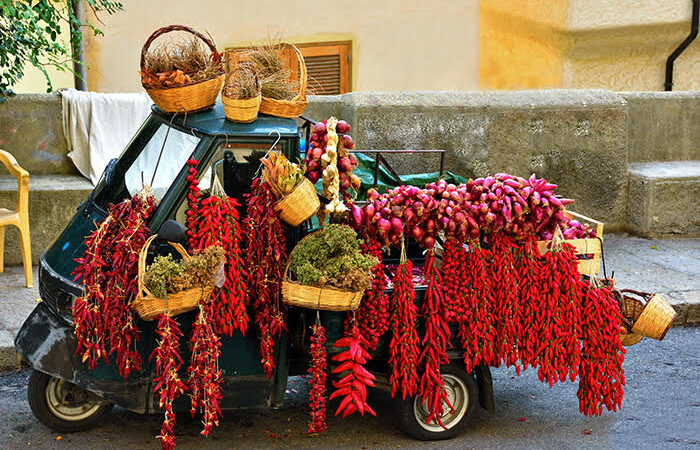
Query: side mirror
column 172, row 231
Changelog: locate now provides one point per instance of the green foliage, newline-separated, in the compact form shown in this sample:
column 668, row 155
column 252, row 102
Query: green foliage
column 30, row 34
column 331, row 256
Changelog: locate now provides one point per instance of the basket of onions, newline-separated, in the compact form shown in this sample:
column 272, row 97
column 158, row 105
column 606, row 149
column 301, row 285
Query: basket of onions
column 298, row 200
column 326, row 270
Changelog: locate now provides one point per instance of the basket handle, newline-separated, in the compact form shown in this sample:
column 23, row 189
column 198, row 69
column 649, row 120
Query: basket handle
column 303, row 78
column 644, row 295
column 167, row 29
column 143, row 253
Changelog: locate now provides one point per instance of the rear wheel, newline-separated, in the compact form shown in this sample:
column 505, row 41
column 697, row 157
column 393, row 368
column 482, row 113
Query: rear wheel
column 63, row 406
column 463, row 394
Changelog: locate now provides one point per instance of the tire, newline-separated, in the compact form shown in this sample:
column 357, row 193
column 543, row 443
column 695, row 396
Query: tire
column 463, row 392
column 63, row 406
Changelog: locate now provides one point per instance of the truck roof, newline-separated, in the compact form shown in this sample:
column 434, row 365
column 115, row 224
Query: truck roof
column 213, row 122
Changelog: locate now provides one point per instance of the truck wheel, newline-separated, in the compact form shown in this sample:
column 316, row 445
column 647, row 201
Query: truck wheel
column 463, row 394
column 63, row 406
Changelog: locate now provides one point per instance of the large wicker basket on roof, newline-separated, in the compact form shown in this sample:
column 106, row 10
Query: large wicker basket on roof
column 190, row 97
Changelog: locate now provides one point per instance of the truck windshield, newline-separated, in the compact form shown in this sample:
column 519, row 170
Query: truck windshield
column 176, row 149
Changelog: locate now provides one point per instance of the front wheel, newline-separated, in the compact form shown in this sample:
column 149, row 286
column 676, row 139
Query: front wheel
column 463, row 394
column 63, row 406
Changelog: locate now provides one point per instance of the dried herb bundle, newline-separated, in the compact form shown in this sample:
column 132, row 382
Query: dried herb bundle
column 242, row 82
column 180, row 61
column 275, row 79
column 167, row 276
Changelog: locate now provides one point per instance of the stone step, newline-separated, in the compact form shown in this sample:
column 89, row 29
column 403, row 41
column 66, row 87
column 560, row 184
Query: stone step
column 663, row 198
column 53, row 200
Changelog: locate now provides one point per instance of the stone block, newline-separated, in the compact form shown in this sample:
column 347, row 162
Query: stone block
column 31, row 128
column 663, row 198
column 663, row 126
column 53, row 200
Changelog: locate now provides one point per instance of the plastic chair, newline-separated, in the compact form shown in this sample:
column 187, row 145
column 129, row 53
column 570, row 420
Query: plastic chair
column 19, row 217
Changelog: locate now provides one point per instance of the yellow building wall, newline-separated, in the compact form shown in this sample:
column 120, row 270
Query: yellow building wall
column 398, row 45
column 620, row 45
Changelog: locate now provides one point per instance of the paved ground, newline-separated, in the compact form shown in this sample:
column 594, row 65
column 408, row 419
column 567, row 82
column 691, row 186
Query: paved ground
column 661, row 410
column 670, row 267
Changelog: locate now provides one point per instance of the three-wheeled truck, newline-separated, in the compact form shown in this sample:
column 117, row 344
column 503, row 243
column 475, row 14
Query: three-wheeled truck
column 66, row 396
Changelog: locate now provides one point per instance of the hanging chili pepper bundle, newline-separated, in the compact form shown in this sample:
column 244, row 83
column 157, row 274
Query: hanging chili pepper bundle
column 505, row 299
column 193, row 196
column 373, row 313
column 437, row 335
column 317, row 381
column 559, row 350
column 478, row 333
column 453, row 267
column 265, row 256
column 215, row 222
column 528, row 266
column 403, row 347
column 601, row 377
column 167, row 381
column 103, row 318
column 352, row 386
column 204, row 377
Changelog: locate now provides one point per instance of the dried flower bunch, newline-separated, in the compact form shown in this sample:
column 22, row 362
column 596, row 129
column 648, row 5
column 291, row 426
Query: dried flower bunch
column 180, row 61
column 281, row 174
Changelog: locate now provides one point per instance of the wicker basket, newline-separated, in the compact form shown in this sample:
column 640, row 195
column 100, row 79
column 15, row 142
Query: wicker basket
column 656, row 317
column 298, row 205
column 241, row 110
column 192, row 97
column 149, row 307
column 313, row 297
column 629, row 338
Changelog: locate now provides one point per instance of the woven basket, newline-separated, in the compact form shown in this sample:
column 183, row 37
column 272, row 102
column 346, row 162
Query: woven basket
column 241, row 110
column 192, row 97
column 656, row 318
column 313, row 297
column 298, row 205
column 149, row 307
column 629, row 338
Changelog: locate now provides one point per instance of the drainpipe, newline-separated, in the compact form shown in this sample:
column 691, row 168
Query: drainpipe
column 80, row 77
column 668, row 85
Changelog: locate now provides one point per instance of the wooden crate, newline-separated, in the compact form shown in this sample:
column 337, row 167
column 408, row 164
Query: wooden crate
column 588, row 250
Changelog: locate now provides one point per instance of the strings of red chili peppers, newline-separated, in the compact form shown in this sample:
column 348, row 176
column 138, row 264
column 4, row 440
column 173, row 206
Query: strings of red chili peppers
column 373, row 313
column 601, row 376
column 437, row 335
column 167, row 381
column 352, row 386
column 505, row 300
column 214, row 221
column 204, row 376
column 103, row 318
column 454, row 265
column 528, row 266
column 266, row 254
column 403, row 347
column 317, row 380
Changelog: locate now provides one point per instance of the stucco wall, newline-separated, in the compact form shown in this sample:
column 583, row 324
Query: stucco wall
column 397, row 45
column 620, row 45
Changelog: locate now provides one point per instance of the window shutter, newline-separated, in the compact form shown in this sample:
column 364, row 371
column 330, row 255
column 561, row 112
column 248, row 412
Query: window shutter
column 328, row 66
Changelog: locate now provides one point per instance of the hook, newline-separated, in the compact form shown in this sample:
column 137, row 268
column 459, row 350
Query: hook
column 267, row 153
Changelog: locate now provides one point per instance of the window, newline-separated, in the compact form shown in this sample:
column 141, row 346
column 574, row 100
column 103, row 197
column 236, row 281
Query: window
column 328, row 65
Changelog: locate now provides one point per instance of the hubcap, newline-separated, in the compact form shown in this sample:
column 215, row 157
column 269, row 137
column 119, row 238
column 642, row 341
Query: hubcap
column 457, row 395
column 69, row 402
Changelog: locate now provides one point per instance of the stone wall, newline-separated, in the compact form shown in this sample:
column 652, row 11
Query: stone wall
column 581, row 139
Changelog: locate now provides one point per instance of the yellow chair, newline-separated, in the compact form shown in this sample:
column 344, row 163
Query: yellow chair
column 19, row 217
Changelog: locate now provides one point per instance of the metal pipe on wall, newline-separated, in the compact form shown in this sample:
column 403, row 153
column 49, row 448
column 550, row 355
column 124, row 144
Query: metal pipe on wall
column 668, row 85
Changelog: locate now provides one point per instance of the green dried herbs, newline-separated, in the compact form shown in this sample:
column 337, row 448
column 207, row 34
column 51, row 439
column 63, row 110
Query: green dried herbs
column 167, row 276
column 331, row 256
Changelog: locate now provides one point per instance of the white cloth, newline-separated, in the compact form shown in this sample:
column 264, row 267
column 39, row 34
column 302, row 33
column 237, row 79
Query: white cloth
column 99, row 126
